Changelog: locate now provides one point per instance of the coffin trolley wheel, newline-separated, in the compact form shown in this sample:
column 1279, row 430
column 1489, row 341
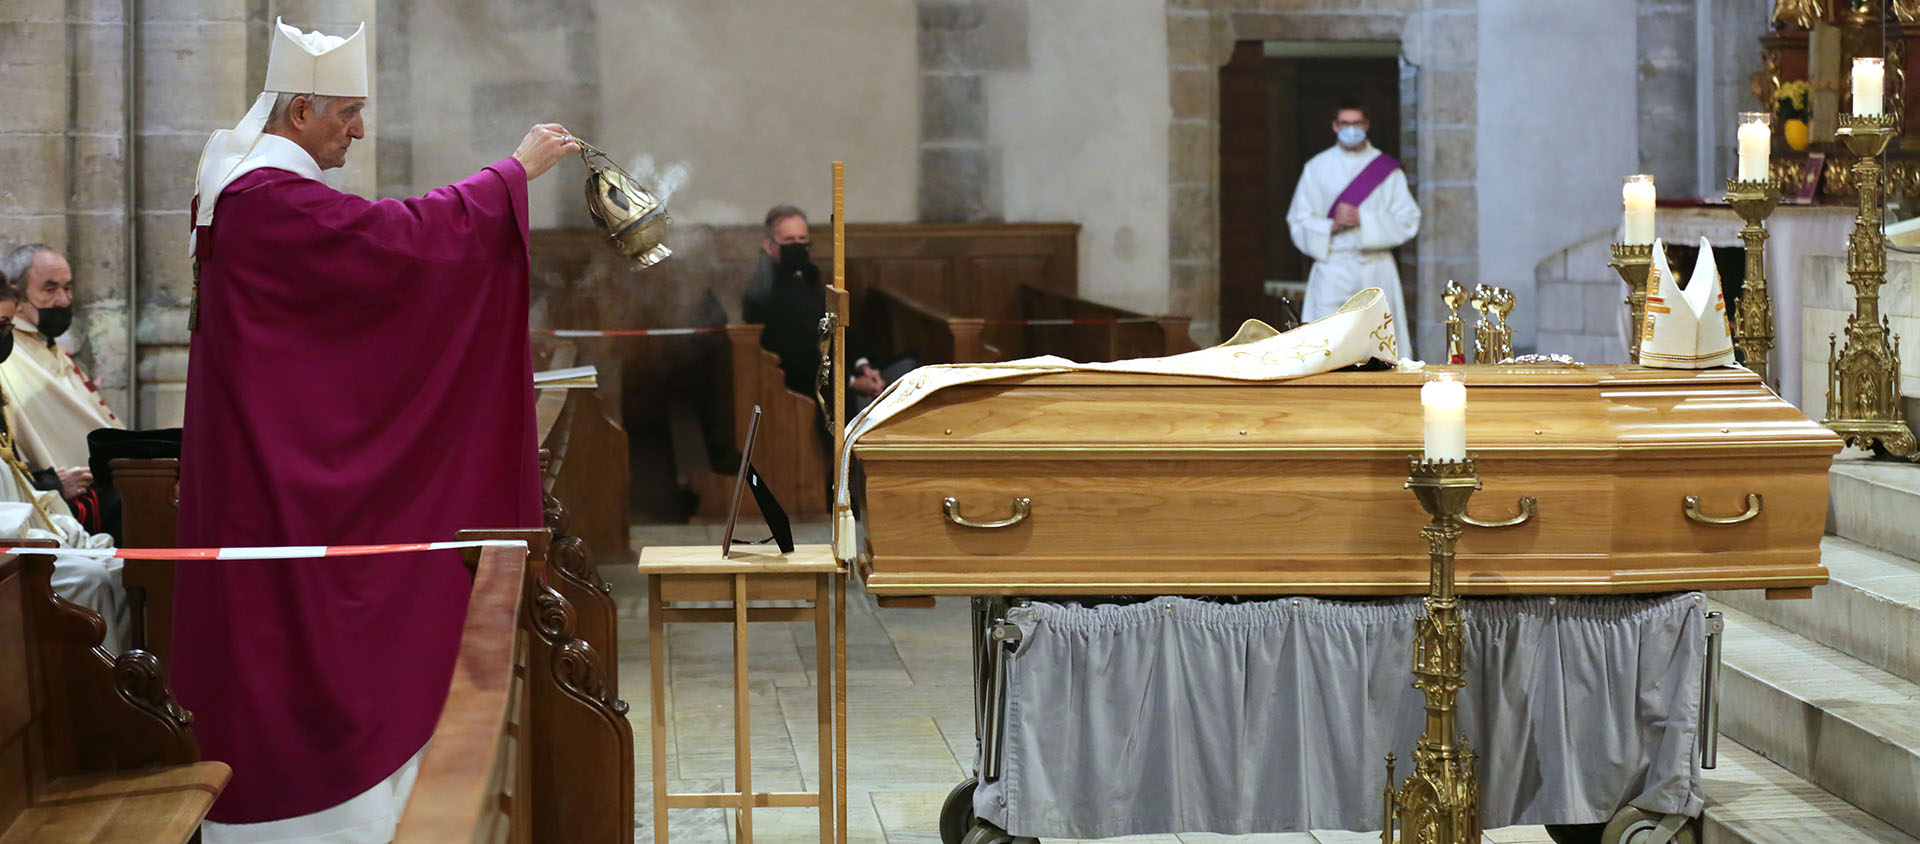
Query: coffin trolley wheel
column 1575, row 833
column 1637, row 826
column 956, row 814
column 984, row 832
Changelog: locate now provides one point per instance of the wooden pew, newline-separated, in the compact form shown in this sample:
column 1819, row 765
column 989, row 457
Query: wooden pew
column 589, row 472
column 792, row 452
column 92, row 747
column 1164, row 335
column 150, row 496
column 900, row 322
column 573, row 574
column 476, row 782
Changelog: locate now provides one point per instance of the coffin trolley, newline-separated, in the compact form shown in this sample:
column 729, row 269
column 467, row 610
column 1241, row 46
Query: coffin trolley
column 1612, row 496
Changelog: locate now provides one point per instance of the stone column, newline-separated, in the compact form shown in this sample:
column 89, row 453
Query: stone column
column 34, row 72
column 341, row 18
column 193, row 79
column 97, row 190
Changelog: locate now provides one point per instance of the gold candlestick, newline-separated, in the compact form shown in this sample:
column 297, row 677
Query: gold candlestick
column 1453, row 295
column 1482, row 335
column 1863, row 376
column 1753, row 318
column 1440, row 801
column 1634, row 261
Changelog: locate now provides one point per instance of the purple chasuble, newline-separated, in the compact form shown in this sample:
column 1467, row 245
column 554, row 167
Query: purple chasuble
column 1365, row 181
column 360, row 374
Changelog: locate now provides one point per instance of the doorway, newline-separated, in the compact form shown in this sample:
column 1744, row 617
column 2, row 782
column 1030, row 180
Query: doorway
column 1277, row 100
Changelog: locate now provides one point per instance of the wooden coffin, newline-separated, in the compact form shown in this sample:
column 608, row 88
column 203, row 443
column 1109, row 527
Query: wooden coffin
column 1144, row 484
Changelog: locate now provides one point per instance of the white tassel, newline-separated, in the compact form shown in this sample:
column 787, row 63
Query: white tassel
column 845, row 541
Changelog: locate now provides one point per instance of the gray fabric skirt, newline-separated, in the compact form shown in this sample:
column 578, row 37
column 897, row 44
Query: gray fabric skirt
column 1182, row 715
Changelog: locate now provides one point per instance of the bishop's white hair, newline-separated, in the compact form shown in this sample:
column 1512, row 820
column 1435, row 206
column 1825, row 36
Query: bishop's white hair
column 278, row 116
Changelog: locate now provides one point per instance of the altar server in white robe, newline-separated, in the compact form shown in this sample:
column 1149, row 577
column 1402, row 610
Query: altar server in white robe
column 1350, row 210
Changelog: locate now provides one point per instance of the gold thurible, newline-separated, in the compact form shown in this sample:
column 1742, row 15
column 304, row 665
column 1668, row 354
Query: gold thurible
column 1439, row 803
column 1863, row 375
column 1753, row 316
column 1634, row 261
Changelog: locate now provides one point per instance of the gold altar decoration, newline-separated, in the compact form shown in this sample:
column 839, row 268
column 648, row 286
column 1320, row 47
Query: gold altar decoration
column 1439, row 803
column 1492, row 339
column 635, row 222
column 1753, row 316
column 1863, row 375
column 1862, row 28
column 1634, row 261
column 1453, row 295
column 1802, row 14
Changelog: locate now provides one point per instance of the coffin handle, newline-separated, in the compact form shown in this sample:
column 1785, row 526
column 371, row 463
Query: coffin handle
column 1528, row 507
column 1694, row 514
column 1022, row 507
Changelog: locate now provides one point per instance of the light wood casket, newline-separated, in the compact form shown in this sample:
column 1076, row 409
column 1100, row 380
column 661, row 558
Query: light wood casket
column 1143, row 484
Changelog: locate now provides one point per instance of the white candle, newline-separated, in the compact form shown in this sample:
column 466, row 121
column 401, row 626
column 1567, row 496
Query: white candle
column 1445, row 403
column 1756, row 145
column 1637, row 196
column 1869, row 86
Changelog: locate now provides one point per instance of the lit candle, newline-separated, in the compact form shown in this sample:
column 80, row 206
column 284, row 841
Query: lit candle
column 1869, row 86
column 1756, row 144
column 1445, row 402
column 1637, row 195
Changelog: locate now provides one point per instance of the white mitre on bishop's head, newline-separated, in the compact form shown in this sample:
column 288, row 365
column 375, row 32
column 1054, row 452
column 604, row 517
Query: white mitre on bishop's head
column 299, row 63
column 1685, row 328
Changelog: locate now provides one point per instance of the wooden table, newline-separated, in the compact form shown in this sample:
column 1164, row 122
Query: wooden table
column 698, row 573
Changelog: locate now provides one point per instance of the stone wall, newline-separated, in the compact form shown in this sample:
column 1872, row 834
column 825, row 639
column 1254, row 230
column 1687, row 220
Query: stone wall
column 1583, row 311
column 1827, row 301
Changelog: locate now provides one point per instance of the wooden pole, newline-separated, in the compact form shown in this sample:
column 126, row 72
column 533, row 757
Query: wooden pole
column 842, row 305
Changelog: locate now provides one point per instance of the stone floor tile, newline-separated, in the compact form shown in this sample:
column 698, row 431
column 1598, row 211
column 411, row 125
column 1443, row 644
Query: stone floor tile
column 1518, row 835
column 1266, row 838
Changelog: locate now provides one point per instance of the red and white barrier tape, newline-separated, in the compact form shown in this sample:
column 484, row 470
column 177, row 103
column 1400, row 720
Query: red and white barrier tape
column 631, row 332
column 1076, row 321
column 283, row 552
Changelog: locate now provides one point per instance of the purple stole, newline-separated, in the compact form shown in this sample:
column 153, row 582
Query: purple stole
column 1363, row 184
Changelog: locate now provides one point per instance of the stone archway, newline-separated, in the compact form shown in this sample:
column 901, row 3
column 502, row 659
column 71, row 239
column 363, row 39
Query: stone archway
column 1439, row 37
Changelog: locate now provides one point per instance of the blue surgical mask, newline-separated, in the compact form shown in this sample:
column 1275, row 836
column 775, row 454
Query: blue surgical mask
column 1352, row 136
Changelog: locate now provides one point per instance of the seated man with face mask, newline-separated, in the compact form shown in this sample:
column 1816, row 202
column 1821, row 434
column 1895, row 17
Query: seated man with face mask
column 29, row 513
column 787, row 296
column 51, row 404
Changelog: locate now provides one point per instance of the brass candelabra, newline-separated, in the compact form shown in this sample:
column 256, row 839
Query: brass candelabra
column 1492, row 339
column 1753, row 317
column 1453, row 295
column 1440, row 801
column 1863, row 375
column 1634, row 261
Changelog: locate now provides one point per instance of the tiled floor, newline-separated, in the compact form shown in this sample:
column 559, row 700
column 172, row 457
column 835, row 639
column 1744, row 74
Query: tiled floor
column 909, row 703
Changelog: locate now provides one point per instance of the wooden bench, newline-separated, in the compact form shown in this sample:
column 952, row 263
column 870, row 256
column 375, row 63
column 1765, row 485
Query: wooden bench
column 564, row 747
column 92, row 747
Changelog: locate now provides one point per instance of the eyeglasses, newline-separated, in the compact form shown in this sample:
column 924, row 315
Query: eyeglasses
column 1344, row 124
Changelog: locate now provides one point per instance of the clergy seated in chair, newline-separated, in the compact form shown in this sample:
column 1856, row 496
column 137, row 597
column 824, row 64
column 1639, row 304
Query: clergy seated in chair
column 37, row 513
column 787, row 297
column 51, row 405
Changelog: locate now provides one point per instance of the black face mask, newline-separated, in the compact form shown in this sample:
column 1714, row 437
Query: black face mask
column 54, row 321
column 795, row 257
column 6, row 339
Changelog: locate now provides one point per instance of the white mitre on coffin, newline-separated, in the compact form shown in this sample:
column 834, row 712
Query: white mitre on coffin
column 1685, row 328
column 299, row 63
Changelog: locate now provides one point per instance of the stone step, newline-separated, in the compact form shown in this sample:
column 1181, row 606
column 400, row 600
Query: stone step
column 1843, row 725
column 1870, row 610
column 1876, row 503
column 1753, row 801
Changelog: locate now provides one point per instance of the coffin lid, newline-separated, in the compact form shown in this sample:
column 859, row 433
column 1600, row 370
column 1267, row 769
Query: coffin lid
column 1595, row 411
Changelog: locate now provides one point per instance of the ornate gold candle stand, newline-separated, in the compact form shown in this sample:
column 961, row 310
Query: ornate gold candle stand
column 1863, row 376
column 1453, row 295
column 1634, row 261
column 1481, row 301
column 1753, row 318
column 1440, row 801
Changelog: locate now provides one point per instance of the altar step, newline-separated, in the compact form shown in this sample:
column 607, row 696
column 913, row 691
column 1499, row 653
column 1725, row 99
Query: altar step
column 1841, row 724
column 1876, row 503
column 1869, row 610
column 1753, row 801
